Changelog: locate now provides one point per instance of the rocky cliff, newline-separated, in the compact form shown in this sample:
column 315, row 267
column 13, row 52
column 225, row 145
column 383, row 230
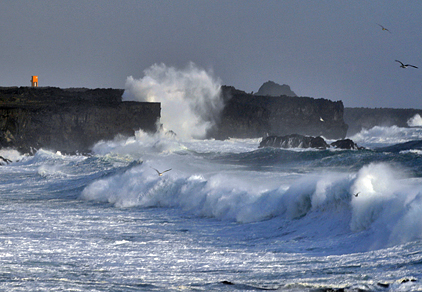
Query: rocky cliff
column 273, row 89
column 251, row 116
column 69, row 120
column 367, row 118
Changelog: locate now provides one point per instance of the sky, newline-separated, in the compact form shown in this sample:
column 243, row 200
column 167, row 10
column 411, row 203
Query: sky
column 329, row 49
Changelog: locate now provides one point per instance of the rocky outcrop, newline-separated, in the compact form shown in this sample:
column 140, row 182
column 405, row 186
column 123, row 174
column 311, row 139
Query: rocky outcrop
column 69, row 120
column 250, row 116
column 4, row 160
column 300, row 141
column 294, row 141
column 367, row 118
column 345, row 144
column 270, row 88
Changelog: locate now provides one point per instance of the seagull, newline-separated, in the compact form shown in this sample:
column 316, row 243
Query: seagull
column 383, row 28
column 405, row 66
column 321, row 119
column 161, row 173
column 357, row 194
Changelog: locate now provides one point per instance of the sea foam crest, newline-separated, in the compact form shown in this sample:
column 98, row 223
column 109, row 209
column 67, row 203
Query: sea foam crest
column 384, row 136
column 140, row 144
column 387, row 205
column 190, row 98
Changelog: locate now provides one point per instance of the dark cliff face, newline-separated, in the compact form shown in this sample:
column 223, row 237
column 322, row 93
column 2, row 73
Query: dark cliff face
column 367, row 118
column 249, row 116
column 69, row 120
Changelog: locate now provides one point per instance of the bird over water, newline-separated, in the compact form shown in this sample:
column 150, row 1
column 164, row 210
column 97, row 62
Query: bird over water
column 161, row 173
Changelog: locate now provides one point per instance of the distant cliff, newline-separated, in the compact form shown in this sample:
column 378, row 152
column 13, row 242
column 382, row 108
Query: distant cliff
column 367, row 118
column 251, row 116
column 69, row 120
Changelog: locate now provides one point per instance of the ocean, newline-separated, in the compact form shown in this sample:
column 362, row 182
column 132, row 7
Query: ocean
column 227, row 216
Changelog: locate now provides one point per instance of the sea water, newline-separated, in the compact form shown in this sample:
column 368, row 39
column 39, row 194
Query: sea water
column 228, row 216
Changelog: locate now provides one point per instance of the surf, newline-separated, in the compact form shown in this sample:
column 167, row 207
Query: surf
column 290, row 187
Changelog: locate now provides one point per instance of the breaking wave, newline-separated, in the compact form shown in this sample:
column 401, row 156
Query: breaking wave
column 415, row 121
column 190, row 98
column 387, row 205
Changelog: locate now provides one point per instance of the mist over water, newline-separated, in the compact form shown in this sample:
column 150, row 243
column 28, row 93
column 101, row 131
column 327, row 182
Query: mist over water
column 190, row 97
column 415, row 121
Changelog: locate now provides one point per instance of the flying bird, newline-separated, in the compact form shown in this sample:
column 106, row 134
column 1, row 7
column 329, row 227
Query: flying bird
column 383, row 28
column 357, row 194
column 405, row 66
column 161, row 173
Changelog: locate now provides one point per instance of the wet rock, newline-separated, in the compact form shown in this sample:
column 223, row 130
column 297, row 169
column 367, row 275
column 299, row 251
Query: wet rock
column 4, row 160
column 406, row 280
column 252, row 116
column 300, row 141
column 345, row 144
column 227, row 283
column 69, row 120
column 294, row 141
column 383, row 285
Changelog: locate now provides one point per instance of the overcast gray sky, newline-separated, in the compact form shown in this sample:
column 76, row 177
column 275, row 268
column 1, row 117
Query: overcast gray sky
column 324, row 49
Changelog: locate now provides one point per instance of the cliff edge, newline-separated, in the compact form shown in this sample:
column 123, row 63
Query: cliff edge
column 69, row 120
column 251, row 116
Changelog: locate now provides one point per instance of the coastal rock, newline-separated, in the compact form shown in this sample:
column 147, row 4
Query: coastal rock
column 300, row 141
column 4, row 160
column 345, row 144
column 294, row 141
column 250, row 116
column 69, row 120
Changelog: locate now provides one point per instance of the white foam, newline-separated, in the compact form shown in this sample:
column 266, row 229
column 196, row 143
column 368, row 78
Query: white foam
column 415, row 121
column 376, row 185
column 190, row 98
column 10, row 154
column 384, row 136
column 387, row 203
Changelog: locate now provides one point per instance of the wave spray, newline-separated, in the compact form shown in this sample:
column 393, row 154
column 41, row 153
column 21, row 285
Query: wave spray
column 190, row 98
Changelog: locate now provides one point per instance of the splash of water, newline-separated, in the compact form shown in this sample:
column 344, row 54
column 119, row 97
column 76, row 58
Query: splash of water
column 384, row 136
column 190, row 98
column 415, row 121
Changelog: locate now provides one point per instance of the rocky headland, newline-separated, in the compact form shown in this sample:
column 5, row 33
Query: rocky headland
column 74, row 119
column 69, row 120
column 253, row 116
